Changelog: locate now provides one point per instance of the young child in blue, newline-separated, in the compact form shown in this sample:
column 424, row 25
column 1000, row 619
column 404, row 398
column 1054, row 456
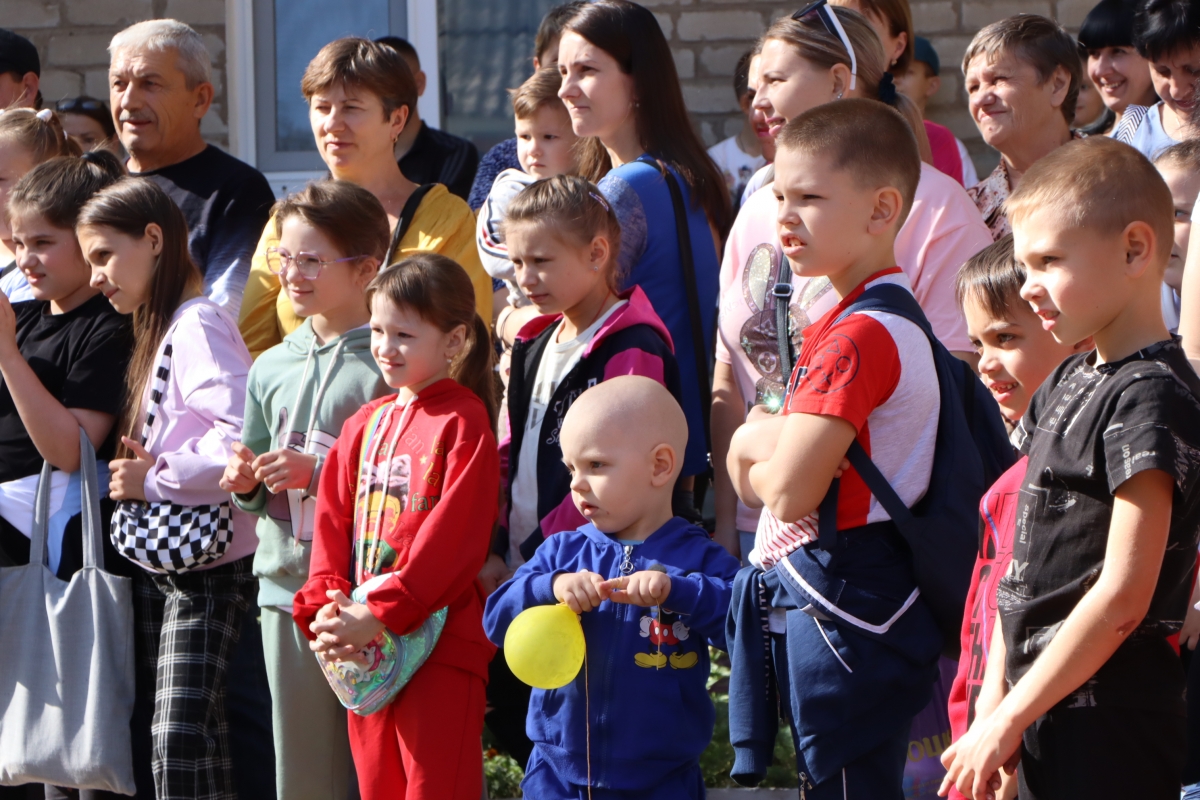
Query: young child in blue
column 652, row 591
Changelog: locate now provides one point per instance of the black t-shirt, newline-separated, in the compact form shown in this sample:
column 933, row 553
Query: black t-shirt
column 226, row 203
column 1088, row 430
column 81, row 357
column 440, row 157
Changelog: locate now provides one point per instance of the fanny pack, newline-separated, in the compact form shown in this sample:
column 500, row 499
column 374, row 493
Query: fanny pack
column 389, row 662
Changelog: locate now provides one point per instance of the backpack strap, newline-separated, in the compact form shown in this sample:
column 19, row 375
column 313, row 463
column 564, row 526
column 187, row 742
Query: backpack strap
column 688, row 265
column 782, row 292
column 896, row 300
column 405, row 222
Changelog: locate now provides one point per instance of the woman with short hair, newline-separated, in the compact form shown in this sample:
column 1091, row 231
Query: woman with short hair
column 359, row 95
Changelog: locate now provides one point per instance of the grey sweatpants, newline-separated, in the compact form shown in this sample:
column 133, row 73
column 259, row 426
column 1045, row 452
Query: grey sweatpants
column 312, row 748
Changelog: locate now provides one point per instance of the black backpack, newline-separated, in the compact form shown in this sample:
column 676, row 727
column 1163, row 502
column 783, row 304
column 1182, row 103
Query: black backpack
column 971, row 451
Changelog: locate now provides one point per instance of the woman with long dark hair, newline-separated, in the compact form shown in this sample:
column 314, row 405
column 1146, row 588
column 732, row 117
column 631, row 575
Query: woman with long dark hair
column 622, row 91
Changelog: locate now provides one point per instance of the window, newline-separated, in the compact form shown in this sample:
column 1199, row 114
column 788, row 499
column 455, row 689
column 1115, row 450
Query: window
column 484, row 48
column 287, row 34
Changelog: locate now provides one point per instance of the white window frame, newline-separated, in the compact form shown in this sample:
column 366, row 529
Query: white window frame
column 422, row 19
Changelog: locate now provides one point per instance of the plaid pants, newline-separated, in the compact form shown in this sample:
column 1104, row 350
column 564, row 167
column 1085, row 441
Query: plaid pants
column 187, row 624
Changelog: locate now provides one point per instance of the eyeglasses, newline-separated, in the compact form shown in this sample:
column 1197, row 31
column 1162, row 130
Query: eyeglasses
column 821, row 9
column 79, row 104
column 309, row 265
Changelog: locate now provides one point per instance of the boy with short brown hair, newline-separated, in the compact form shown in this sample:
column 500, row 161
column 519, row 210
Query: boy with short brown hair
column 1104, row 548
column 853, row 646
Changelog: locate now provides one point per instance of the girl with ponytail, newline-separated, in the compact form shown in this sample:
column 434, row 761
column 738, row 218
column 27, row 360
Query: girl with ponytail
column 405, row 509
column 822, row 55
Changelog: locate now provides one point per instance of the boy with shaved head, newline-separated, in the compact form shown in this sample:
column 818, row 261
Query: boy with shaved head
column 652, row 591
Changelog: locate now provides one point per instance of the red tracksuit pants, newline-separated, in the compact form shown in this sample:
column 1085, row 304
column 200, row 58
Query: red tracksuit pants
column 426, row 744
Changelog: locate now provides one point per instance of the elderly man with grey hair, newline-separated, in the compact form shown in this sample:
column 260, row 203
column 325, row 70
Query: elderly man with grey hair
column 160, row 87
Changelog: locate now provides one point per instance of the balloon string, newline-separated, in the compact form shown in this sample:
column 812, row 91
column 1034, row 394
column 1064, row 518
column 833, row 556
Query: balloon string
column 587, row 712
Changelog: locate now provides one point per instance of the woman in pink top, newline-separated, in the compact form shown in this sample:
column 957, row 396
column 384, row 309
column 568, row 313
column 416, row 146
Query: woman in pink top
column 943, row 230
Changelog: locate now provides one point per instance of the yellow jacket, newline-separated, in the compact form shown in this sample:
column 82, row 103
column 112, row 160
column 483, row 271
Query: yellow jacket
column 443, row 224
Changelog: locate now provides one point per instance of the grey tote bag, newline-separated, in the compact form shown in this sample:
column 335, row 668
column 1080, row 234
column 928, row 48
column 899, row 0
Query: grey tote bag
column 66, row 660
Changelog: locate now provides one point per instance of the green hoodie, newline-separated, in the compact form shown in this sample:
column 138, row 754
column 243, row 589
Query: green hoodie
column 285, row 385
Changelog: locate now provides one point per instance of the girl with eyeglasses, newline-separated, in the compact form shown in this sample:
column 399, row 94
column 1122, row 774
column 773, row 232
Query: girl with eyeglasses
column 819, row 56
column 332, row 238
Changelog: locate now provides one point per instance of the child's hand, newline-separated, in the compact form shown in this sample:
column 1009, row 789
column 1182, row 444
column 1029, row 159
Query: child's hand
column 8, row 328
column 646, row 588
column 579, row 590
column 494, row 573
column 127, row 479
column 239, row 473
column 973, row 762
column 284, row 469
column 344, row 627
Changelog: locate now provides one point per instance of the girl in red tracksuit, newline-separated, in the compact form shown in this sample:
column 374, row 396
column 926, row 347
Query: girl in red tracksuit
column 421, row 510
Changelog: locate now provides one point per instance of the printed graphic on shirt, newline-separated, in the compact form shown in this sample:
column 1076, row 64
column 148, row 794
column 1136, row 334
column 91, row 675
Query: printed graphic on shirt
column 665, row 629
column 873, row 370
column 1089, row 429
column 764, row 268
column 296, row 507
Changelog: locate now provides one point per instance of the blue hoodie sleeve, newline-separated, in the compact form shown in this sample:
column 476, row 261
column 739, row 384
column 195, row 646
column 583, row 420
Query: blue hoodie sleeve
column 532, row 585
column 753, row 702
column 703, row 595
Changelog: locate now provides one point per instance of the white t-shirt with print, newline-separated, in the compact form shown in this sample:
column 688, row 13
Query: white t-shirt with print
column 558, row 359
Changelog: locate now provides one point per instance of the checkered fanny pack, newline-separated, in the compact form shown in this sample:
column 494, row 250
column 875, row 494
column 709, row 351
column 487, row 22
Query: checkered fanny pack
column 167, row 537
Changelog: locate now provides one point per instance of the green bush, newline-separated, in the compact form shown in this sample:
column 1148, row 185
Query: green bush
column 717, row 759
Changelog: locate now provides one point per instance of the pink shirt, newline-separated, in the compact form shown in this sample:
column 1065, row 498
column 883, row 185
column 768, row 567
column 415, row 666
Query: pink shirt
column 201, row 416
column 942, row 231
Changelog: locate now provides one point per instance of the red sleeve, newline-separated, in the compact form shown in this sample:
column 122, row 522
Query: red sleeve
column 850, row 371
column 453, row 541
column 333, row 533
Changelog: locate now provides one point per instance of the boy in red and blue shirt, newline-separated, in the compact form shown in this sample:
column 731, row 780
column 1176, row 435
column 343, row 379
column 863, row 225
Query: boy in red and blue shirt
column 854, row 647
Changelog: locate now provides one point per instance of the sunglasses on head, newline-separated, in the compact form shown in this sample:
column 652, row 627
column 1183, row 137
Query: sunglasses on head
column 78, row 104
column 821, row 10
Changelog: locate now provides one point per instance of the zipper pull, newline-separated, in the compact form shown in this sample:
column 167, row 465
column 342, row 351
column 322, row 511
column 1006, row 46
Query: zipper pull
column 627, row 564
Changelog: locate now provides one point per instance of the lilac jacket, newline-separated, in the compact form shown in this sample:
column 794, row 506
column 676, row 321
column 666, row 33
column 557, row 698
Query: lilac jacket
column 201, row 415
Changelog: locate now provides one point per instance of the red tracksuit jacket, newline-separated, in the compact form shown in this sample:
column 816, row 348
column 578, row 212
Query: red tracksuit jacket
column 441, row 507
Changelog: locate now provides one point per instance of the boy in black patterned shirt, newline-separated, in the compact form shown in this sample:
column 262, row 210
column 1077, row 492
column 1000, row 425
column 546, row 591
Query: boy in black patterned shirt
column 1105, row 542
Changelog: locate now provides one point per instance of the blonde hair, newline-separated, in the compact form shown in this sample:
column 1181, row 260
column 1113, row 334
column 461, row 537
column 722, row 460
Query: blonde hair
column 814, row 43
column 571, row 206
column 40, row 133
column 1097, row 183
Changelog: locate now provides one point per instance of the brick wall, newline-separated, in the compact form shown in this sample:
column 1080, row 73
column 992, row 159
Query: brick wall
column 72, row 39
column 708, row 37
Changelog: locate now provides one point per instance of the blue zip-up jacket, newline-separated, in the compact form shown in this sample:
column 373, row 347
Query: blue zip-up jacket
column 647, row 668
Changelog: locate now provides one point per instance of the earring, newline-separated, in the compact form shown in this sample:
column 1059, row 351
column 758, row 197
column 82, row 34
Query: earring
column 839, row 97
column 595, row 269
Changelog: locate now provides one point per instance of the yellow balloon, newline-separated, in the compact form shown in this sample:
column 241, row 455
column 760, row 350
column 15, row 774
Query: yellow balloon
column 544, row 646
